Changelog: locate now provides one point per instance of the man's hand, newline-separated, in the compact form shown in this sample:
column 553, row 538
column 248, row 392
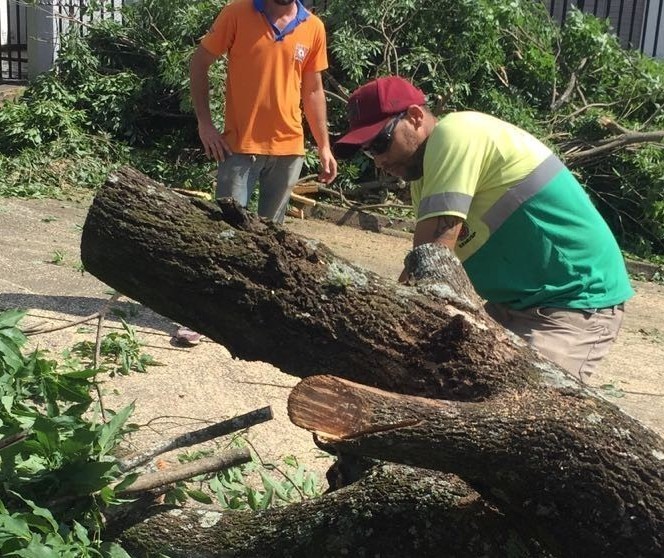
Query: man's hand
column 328, row 165
column 214, row 143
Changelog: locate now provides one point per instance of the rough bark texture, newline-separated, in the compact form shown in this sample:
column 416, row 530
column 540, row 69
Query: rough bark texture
column 394, row 512
column 226, row 273
column 562, row 463
column 579, row 473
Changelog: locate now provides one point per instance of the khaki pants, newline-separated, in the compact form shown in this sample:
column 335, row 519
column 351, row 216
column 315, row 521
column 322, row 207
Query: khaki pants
column 574, row 339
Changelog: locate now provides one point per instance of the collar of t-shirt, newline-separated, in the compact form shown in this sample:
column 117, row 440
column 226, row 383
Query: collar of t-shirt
column 279, row 34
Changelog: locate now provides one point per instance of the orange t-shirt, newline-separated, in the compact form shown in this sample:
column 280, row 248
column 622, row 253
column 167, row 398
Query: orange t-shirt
column 264, row 77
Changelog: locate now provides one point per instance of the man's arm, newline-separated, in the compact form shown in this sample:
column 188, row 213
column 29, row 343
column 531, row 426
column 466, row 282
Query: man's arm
column 315, row 110
column 213, row 142
column 443, row 230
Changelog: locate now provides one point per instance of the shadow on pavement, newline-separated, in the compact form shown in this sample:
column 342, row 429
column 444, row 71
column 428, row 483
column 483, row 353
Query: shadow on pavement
column 81, row 306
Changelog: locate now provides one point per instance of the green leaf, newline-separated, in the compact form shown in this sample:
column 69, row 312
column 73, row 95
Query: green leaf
column 7, row 402
column 80, row 444
column 113, row 550
column 86, row 478
column 127, row 481
column 180, row 495
column 81, row 533
column 270, row 483
column 36, row 549
column 199, row 496
column 11, row 354
column 309, row 486
column 80, row 374
column 11, row 317
column 254, row 500
column 236, row 503
column 15, row 526
column 40, row 512
column 107, row 494
column 47, row 435
column 111, row 431
column 267, row 499
column 71, row 392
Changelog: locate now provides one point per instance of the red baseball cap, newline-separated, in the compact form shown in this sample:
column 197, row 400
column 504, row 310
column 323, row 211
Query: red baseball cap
column 371, row 106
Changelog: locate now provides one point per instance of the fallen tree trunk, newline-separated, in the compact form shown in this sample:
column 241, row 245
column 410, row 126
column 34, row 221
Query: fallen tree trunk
column 389, row 513
column 224, row 272
column 561, row 462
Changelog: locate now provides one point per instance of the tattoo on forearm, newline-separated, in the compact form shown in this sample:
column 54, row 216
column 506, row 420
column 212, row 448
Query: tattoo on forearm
column 444, row 226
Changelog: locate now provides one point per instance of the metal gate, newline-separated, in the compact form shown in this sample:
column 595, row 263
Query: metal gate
column 13, row 42
column 637, row 23
column 34, row 28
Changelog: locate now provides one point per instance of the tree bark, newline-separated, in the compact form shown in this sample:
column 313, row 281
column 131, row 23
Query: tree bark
column 393, row 512
column 224, row 272
column 563, row 464
column 574, row 469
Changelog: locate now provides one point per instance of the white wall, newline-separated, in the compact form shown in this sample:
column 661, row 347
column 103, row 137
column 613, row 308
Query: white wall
column 42, row 37
column 9, row 30
column 4, row 30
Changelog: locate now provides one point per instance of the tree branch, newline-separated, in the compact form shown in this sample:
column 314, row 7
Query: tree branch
column 564, row 98
column 149, row 481
column 614, row 143
column 198, row 436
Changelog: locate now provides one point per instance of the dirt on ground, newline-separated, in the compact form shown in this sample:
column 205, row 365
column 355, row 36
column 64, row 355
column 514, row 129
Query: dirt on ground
column 41, row 272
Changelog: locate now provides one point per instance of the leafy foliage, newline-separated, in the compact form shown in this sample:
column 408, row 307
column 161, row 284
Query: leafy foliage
column 235, row 491
column 62, row 458
column 519, row 68
column 122, row 353
column 59, row 472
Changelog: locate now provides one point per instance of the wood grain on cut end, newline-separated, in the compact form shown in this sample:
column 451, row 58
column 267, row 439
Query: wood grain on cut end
column 329, row 406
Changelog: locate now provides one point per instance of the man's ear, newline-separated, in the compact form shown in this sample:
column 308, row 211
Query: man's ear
column 415, row 114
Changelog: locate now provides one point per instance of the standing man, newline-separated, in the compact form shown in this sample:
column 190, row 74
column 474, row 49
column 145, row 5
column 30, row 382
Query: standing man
column 276, row 51
column 529, row 238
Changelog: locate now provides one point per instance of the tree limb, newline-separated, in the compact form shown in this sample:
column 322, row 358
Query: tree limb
column 199, row 436
column 612, row 144
column 619, row 505
column 150, row 481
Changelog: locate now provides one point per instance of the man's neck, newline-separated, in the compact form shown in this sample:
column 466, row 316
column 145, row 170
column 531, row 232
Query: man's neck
column 275, row 11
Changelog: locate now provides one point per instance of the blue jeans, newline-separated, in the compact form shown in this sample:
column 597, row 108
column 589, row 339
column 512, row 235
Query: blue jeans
column 276, row 175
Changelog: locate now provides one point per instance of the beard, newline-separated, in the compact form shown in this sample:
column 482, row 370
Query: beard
column 414, row 169
column 413, row 172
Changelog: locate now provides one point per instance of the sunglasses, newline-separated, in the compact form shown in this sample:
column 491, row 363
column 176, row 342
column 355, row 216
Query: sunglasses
column 381, row 143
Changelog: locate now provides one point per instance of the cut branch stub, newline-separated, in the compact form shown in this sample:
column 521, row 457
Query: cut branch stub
column 438, row 273
column 584, row 476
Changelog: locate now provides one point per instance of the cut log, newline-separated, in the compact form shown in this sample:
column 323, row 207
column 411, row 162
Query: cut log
column 578, row 472
column 305, row 188
column 224, row 272
column 302, row 199
column 555, row 457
